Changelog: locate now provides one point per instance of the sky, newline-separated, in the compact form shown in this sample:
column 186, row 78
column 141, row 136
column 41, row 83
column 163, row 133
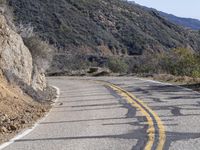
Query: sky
column 181, row 8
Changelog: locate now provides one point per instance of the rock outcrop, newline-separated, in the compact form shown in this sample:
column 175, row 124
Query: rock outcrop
column 16, row 60
column 21, row 85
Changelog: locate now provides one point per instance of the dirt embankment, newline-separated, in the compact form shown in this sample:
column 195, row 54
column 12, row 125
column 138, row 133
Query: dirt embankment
column 17, row 110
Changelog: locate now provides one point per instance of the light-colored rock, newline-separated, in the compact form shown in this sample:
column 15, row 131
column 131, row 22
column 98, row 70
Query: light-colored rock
column 16, row 60
column 38, row 79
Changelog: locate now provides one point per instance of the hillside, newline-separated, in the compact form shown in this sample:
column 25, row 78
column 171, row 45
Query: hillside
column 93, row 24
column 101, row 28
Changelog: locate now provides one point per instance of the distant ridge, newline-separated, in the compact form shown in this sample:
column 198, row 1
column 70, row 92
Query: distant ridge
column 186, row 22
column 190, row 23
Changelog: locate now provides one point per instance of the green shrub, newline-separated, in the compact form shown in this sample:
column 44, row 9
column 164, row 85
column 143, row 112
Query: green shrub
column 181, row 61
column 196, row 73
column 117, row 65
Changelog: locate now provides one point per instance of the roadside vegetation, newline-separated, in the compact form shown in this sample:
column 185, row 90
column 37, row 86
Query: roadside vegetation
column 181, row 62
column 117, row 65
column 42, row 52
column 178, row 62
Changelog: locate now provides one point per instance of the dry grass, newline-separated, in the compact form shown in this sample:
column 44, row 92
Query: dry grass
column 41, row 51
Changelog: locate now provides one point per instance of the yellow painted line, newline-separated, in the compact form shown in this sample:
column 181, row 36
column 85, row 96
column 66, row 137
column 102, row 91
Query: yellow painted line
column 139, row 104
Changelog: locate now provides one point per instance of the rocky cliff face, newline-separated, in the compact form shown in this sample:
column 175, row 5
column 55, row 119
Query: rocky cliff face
column 21, row 84
column 16, row 60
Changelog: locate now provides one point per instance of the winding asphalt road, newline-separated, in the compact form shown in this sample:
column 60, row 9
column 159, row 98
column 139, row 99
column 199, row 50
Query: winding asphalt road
column 117, row 113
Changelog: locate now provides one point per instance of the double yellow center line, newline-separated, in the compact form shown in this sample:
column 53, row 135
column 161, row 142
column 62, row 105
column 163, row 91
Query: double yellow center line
column 153, row 119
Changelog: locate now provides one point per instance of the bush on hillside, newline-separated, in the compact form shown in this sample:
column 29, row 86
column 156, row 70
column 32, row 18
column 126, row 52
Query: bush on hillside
column 178, row 61
column 181, row 61
column 26, row 31
column 68, row 63
column 117, row 65
column 147, row 63
column 41, row 51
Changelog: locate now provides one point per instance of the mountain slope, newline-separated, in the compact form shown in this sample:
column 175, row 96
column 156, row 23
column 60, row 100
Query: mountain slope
column 101, row 25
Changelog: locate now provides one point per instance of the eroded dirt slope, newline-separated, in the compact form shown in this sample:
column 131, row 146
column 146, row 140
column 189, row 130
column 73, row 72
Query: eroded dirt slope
column 17, row 110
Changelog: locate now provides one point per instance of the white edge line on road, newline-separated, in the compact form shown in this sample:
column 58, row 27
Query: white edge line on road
column 27, row 131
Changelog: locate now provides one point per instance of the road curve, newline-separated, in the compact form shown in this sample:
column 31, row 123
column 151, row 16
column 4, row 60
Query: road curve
column 117, row 113
column 153, row 120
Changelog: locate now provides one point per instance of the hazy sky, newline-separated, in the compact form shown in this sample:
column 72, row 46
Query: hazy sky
column 182, row 8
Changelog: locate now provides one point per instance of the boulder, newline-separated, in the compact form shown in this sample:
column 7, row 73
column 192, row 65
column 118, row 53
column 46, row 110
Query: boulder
column 97, row 71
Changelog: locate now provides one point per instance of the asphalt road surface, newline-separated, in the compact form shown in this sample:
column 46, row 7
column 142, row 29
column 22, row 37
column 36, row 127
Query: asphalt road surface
column 117, row 113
